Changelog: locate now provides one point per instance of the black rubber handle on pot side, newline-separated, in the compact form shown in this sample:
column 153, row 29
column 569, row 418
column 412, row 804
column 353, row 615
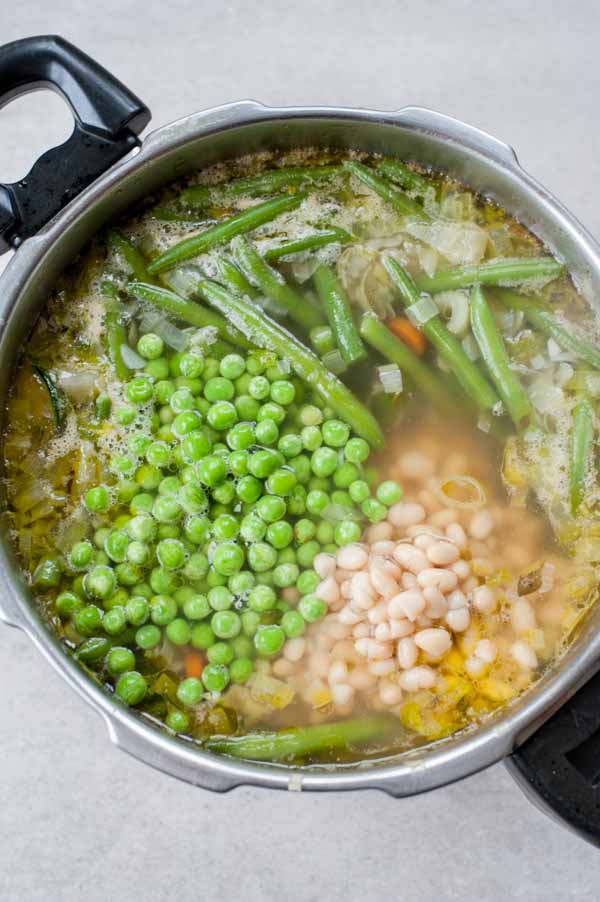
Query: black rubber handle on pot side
column 559, row 766
column 108, row 118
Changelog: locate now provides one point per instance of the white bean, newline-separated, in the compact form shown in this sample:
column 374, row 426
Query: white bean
column 294, row 649
column 344, row 651
column 456, row 600
column 411, row 558
column 328, row 590
column 486, row 650
column 283, row 668
column 346, row 589
column 382, row 582
column 462, row 569
column 324, row 565
column 352, row 557
column 524, row 655
column 385, row 546
column 456, row 534
column 389, row 693
column 442, row 553
column 379, row 532
column 349, row 616
column 415, row 465
column 338, row 672
column 406, row 513
column 522, row 616
column 423, row 621
column 484, row 600
column 381, row 668
column 422, row 677
column 481, row 525
column 443, row 518
column 436, row 605
column 318, row 664
column 434, row 642
column 408, row 580
column 360, row 678
column 401, row 628
column 444, row 580
column 342, row 694
column 459, row 620
column 424, row 541
column 475, row 666
column 361, row 630
column 407, row 653
column 383, row 632
column 378, row 613
column 407, row 604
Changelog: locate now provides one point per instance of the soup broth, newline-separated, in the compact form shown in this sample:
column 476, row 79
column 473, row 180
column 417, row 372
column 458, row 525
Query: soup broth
column 300, row 458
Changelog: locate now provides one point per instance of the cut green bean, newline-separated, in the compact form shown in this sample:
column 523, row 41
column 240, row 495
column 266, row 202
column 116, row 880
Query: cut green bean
column 57, row 399
column 393, row 349
column 268, row 334
column 223, row 231
column 446, row 344
column 273, row 285
column 493, row 353
column 187, row 311
column 322, row 340
column 132, row 256
column 337, row 307
column 229, row 275
column 269, row 182
column 548, row 323
column 300, row 741
column 397, row 199
column 406, row 177
column 508, row 270
column 116, row 337
column 308, row 243
column 580, row 451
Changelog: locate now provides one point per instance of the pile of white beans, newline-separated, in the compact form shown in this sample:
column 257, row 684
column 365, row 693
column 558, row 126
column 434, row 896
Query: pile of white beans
column 410, row 591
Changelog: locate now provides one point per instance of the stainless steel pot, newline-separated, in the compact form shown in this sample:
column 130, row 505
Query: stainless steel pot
column 567, row 783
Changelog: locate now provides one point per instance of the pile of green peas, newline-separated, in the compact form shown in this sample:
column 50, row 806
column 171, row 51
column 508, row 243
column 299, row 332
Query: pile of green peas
column 231, row 479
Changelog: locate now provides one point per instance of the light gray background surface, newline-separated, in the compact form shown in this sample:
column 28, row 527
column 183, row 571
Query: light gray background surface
column 78, row 819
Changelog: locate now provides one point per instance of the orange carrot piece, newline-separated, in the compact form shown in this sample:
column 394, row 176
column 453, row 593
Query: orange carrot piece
column 194, row 664
column 409, row 334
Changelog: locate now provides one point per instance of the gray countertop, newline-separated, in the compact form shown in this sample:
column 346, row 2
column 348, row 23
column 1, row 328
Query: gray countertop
column 80, row 820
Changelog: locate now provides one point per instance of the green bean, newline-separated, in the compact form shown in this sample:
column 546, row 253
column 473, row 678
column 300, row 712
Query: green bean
column 269, row 182
column 379, row 337
column 300, row 741
column 223, row 231
column 234, row 279
column 132, row 256
column 273, row 285
column 268, row 334
column 495, row 272
column 580, row 448
column 446, row 344
column 400, row 201
column 399, row 172
column 116, row 337
column 493, row 353
column 548, row 323
column 187, row 311
column 337, row 306
column 308, row 243
column 57, row 399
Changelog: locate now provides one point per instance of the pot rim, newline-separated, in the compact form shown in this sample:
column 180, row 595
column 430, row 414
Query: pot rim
column 412, row 772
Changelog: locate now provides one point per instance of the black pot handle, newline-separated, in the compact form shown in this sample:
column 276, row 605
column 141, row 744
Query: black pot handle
column 108, row 118
column 559, row 766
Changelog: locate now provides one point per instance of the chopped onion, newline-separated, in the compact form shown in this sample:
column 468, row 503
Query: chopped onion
column 78, row 386
column 484, row 423
column 548, row 573
column 564, row 374
column 334, row 361
column 538, row 362
column 270, row 691
column 556, row 353
column 459, row 242
column 450, row 489
column 131, row 358
column 390, row 377
column 546, row 397
column 454, row 307
column 172, row 336
column 336, row 513
column 421, row 311
column 470, row 347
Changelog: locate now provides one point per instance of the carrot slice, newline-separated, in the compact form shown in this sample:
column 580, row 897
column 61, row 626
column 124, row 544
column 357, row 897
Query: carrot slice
column 194, row 664
column 409, row 334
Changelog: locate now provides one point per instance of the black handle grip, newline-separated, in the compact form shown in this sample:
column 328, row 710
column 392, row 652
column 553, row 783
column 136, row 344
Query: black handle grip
column 108, row 117
column 559, row 766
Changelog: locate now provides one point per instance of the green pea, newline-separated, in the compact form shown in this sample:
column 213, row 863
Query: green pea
column 290, row 445
column 279, row 534
column 264, row 462
column 212, row 470
column 240, row 670
column 196, row 528
column 228, row 558
column 178, row 721
column 286, row 556
column 271, row 508
column 293, row 624
column 268, row 640
column 125, row 415
column 97, row 500
column 282, row 392
column 272, row 412
column 310, row 415
column 256, row 362
column 266, row 432
column 195, row 385
column 316, row 502
column 178, row 631
column 259, row 388
column 142, row 589
column 296, row 501
column 220, row 653
column 324, row 461
column 116, row 545
column 120, row 660
column 141, row 503
column 131, row 687
column 186, row 422
column 195, row 446
column 248, row 489
column 301, row 467
column 325, row 532
column 262, row 598
column 148, row 477
column 253, row 528
column 222, row 415
column 359, row 491
column 164, row 391
column 196, row 567
column 219, row 389
column 127, row 573
column 190, row 691
column 247, row 407
column 281, row 482
column 225, row 493
column 163, row 581
column 261, row 556
column 196, row 607
column 242, row 646
column 202, row 636
column 250, row 622
column 137, row 610
column 139, row 389
column 150, row 346
column 304, row 531
column 311, row 438
column 171, row 554
column 215, row 677
column 214, row 579
column 181, row 400
column 241, row 436
column 81, row 555
column 67, row 603
column 238, row 463
column 389, row 492
column 307, row 553
column 157, row 370
column 191, row 364
column 148, row 637
column 88, row 620
column 163, row 609
column 220, row 598
column 226, row 624
column 232, row 366
column 374, row 510
column 285, row 575
column 100, row 581
column 114, row 621
column 312, row 608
